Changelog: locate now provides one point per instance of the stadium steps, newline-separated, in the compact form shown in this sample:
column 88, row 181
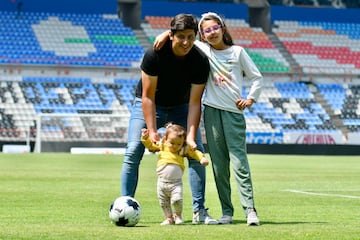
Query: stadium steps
column 142, row 38
column 294, row 66
column 335, row 118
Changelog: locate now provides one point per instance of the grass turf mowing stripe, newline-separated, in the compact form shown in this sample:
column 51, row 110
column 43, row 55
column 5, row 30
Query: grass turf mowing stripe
column 323, row 194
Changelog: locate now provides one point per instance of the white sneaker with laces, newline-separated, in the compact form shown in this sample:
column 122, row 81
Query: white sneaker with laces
column 252, row 218
column 225, row 219
column 202, row 216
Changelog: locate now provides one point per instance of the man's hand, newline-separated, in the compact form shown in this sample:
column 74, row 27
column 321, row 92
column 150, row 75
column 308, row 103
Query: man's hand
column 148, row 135
column 191, row 143
column 154, row 136
column 204, row 161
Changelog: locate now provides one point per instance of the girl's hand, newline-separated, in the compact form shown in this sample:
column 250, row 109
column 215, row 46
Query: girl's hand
column 160, row 40
column 244, row 103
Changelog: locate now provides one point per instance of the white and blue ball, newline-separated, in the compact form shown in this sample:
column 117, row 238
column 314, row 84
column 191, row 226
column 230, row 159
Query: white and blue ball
column 125, row 211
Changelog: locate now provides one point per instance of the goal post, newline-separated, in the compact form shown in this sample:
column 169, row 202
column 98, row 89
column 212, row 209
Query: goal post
column 92, row 128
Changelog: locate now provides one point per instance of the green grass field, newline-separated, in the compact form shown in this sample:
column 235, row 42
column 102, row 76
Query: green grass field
column 64, row 196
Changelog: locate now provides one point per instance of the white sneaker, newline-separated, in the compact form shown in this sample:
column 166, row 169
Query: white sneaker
column 225, row 219
column 252, row 218
column 178, row 220
column 202, row 216
column 167, row 221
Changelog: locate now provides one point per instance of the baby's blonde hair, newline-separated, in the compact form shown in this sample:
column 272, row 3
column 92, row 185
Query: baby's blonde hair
column 175, row 128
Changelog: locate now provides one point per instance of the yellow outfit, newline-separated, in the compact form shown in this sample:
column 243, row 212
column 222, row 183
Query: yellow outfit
column 167, row 157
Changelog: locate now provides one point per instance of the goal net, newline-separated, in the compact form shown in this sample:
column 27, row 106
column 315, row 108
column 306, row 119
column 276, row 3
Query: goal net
column 80, row 128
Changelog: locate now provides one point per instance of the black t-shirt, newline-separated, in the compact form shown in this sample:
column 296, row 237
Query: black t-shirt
column 175, row 75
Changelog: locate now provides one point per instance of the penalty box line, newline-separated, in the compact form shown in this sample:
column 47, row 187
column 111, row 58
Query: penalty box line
column 322, row 194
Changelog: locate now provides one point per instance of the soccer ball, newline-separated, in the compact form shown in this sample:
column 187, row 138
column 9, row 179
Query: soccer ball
column 125, row 211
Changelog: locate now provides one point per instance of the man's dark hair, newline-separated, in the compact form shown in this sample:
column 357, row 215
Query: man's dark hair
column 184, row 21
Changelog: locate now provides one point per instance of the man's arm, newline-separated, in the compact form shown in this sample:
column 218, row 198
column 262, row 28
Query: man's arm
column 194, row 114
column 148, row 104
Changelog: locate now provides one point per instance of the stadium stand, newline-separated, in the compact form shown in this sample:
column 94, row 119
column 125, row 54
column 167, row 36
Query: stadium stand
column 306, row 3
column 283, row 106
column 67, row 39
column 98, row 41
column 24, row 99
column 318, row 3
column 290, row 107
column 322, row 47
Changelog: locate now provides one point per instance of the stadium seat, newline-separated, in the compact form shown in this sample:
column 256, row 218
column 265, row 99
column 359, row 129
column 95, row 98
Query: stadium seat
column 68, row 39
column 322, row 47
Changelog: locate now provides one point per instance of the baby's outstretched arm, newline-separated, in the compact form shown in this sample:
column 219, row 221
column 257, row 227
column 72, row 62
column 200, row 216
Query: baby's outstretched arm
column 204, row 161
column 145, row 139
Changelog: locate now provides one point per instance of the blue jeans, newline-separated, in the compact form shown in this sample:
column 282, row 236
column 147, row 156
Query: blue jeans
column 135, row 151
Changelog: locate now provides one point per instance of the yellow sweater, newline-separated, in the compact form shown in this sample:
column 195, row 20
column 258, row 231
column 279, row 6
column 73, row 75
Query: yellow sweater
column 167, row 157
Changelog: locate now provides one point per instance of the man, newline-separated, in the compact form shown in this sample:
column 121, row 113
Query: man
column 172, row 83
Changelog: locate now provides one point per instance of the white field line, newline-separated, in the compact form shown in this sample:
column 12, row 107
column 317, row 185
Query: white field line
column 322, row 194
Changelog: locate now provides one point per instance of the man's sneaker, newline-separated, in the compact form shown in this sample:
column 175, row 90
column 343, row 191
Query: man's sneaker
column 202, row 216
column 225, row 219
column 252, row 218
